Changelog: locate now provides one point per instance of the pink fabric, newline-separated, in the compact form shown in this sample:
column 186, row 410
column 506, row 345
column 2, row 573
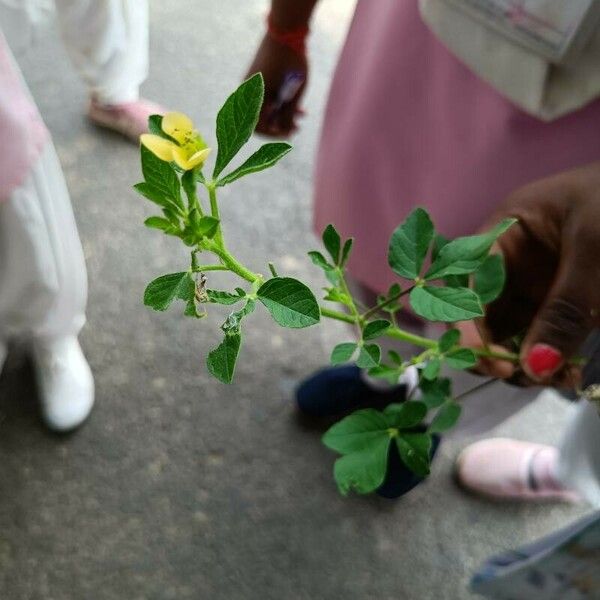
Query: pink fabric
column 407, row 125
column 22, row 131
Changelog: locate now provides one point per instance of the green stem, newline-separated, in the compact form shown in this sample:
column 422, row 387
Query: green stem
column 192, row 196
column 202, row 268
column 387, row 302
column 411, row 338
column 232, row 264
column 354, row 311
column 338, row 316
column 214, row 210
column 417, row 340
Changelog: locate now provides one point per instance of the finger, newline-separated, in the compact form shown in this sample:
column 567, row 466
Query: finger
column 473, row 335
column 567, row 316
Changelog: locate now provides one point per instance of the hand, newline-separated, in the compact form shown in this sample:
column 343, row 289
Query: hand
column 274, row 61
column 552, row 292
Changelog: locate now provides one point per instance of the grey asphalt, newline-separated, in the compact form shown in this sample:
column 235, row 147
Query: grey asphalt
column 180, row 487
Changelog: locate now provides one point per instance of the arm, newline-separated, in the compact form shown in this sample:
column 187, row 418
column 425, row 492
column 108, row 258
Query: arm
column 280, row 53
column 552, row 292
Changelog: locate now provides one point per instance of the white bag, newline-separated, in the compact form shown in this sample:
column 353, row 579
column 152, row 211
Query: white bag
column 543, row 55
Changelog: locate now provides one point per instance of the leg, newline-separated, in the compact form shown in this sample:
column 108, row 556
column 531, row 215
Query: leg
column 44, row 289
column 108, row 43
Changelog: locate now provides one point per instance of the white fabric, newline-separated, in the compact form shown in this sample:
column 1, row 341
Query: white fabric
column 43, row 281
column 579, row 465
column 107, row 40
column 529, row 80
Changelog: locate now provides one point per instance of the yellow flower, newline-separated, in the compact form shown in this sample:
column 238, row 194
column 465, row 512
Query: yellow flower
column 190, row 150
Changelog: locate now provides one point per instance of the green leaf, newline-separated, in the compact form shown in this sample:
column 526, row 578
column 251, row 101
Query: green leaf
column 445, row 304
column 237, row 119
column 439, row 241
column 158, row 223
column 206, row 226
column 219, row 297
column 432, row 369
column 446, row 417
column 346, row 251
column 332, row 242
column 435, row 393
column 414, row 450
column 369, row 356
column 221, row 361
column 356, row 431
column 363, row 471
column 406, row 415
column 409, row 244
column 395, row 357
column 188, row 182
column 161, row 176
column 461, row 358
column 161, row 292
column 343, row 353
column 382, row 371
column 336, row 295
column 290, row 302
column 234, row 320
column 375, row 329
column 457, row 280
column 154, row 195
column 466, row 254
column 155, row 127
column 490, row 278
column 319, row 260
column 449, row 340
column 266, row 156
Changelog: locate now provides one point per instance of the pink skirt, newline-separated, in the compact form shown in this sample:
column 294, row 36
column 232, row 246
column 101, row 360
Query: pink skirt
column 408, row 125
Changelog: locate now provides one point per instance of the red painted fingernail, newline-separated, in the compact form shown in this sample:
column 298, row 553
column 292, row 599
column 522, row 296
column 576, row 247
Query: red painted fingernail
column 543, row 359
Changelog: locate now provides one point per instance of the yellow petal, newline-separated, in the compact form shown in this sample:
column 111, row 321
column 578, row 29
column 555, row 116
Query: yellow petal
column 178, row 126
column 187, row 163
column 158, row 146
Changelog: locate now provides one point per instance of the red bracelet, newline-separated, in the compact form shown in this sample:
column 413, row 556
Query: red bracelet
column 294, row 39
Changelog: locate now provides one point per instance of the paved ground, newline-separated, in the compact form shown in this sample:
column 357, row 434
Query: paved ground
column 181, row 488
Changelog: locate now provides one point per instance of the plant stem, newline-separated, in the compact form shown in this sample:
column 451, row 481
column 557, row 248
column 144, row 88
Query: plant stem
column 214, row 210
column 354, row 311
column 338, row 316
column 202, row 268
column 387, row 302
column 192, row 196
column 417, row 340
column 232, row 264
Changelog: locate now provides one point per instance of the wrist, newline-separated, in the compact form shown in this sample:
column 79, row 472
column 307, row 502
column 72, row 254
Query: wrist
column 293, row 38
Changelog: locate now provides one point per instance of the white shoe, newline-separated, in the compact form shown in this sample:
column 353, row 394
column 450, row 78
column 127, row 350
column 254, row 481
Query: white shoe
column 505, row 469
column 65, row 382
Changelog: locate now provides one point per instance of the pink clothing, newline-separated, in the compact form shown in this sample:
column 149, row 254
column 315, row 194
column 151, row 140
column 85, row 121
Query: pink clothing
column 22, row 131
column 407, row 125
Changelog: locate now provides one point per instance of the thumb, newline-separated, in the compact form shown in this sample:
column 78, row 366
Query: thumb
column 565, row 319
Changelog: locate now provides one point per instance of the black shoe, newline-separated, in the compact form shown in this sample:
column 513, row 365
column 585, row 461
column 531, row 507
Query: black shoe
column 337, row 391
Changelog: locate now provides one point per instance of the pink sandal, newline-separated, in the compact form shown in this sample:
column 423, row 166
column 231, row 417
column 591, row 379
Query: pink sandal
column 505, row 469
column 129, row 119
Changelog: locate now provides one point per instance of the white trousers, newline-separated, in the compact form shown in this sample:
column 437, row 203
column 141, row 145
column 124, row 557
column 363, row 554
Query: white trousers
column 43, row 281
column 579, row 466
column 107, row 40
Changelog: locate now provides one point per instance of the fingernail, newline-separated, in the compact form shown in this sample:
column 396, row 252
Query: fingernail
column 543, row 360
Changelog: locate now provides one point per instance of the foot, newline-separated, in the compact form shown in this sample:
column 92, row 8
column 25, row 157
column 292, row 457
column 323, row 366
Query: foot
column 129, row 119
column 505, row 469
column 65, row 382
column 336, row 391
